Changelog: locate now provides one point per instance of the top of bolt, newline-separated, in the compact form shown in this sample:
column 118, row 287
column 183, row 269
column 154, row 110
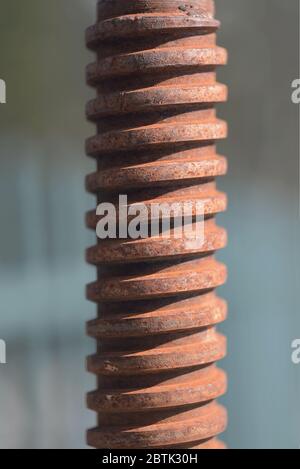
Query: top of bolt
column 113, row 8
column 133, row 18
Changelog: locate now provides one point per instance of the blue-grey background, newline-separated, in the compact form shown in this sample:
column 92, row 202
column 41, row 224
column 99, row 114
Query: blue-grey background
column 43, row 238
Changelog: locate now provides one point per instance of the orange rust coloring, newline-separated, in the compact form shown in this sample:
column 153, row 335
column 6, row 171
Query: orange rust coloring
column 157, row 344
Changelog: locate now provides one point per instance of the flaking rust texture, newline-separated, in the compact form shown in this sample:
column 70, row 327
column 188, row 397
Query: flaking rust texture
column 157, row 344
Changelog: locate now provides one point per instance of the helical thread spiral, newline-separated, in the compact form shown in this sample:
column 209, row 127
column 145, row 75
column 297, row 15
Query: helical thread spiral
column 157, row 344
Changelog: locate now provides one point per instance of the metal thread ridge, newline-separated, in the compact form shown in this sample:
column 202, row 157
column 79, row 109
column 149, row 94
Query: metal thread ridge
column 157, row 344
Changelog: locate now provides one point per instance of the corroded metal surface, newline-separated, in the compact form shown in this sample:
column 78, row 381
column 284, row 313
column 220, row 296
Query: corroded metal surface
column 157, row 343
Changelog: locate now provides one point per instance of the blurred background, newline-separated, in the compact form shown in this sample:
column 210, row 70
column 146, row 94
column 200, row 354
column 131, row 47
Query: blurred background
column 42, row 204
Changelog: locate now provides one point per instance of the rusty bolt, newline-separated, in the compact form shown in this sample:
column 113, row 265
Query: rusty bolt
column 157, row 344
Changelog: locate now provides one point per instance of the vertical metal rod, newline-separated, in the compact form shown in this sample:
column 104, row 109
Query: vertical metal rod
column 155, row 77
